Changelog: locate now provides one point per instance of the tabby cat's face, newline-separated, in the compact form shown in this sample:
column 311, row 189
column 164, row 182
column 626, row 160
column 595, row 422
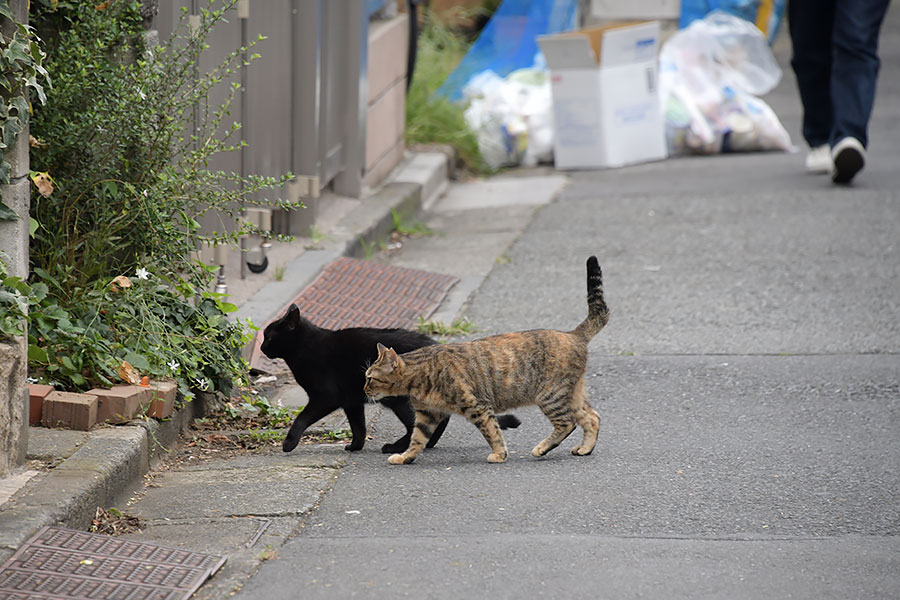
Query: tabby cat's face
column 382, row 374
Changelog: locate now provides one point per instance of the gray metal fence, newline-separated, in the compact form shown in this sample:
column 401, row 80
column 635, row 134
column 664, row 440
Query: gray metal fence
column 302, row 104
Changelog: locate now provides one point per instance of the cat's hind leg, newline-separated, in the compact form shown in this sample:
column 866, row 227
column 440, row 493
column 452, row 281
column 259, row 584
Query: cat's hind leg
column 426, row 421
column 558, row 411
column 587, row 419
column 438, row 432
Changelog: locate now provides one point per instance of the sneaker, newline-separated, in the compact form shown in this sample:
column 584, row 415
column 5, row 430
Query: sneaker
column 849, row 157
column 819, row 159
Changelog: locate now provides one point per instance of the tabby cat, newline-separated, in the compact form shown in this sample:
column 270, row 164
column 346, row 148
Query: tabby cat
column 494, row 374
column 329, row 365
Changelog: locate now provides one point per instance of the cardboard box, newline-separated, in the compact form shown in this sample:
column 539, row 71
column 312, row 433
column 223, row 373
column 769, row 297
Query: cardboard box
column 606, row 108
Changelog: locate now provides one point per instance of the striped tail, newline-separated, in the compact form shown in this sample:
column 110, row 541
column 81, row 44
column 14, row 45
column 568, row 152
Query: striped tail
column 598, row 312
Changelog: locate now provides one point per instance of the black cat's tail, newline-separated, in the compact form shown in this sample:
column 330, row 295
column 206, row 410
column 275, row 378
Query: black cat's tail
column 598, row 312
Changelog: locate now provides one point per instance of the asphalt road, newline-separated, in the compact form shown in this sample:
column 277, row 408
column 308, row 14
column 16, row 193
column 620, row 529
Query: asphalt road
column 748, row 385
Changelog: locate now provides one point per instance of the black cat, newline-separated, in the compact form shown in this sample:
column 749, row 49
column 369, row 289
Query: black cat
column 330, row 365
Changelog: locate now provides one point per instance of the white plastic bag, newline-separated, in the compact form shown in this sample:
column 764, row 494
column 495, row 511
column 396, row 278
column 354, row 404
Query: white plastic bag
column 710, row 76
column 511, row 117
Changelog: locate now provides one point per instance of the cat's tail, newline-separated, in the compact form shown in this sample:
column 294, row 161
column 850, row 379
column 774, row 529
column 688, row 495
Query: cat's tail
column 598, row 312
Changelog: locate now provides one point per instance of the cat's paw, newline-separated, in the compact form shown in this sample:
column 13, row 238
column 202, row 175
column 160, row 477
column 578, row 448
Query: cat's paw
column 289, row 443
column 580, row 451
column 398, row 459
column 496, row 457
column 542, row 449
column 394, row 447
column 351, row 447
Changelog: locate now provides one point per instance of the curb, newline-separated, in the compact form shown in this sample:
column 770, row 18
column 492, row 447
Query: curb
column 105, row 466
column 111, row 460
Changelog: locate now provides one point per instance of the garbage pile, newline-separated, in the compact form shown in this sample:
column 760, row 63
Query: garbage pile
column 710, row 76
column 511, row 117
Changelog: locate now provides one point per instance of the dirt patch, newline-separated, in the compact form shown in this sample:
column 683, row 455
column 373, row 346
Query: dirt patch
column 114, row 522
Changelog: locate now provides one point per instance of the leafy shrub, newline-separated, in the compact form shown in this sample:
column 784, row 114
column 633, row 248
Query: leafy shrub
column 130, row 172
column 21, row 78
column 134, row 320
column 122, row 180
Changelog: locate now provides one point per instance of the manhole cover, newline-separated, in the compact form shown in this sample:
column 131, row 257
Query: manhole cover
column 66, row 563
column 358, row 293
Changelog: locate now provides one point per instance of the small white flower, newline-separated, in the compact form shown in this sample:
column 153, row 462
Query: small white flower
column 203, row 384
column 173, row 364
column 142, row 273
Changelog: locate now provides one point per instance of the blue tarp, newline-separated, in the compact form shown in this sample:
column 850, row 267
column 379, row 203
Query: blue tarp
column 765, row 14
column 509, row 40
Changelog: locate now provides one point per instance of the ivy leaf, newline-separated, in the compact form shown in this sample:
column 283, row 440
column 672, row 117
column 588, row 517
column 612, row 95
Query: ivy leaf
column 37, row 354
column 32, row 226
column 6, row 213
column 138, row 361
column 227, row 307
column 17, row 50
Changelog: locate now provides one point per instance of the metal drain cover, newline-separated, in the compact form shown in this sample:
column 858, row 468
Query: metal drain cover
column 350, row 292
column 65, row 563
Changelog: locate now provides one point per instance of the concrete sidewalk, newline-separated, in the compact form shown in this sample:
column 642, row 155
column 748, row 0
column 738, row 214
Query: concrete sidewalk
column 71, row 473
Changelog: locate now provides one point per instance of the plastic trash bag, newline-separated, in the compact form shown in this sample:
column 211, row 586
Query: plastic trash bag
column 765, row 14
column 710, row 76
column 511, row 117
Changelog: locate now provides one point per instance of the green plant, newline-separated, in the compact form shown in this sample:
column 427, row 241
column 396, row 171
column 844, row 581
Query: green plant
column 338, row 434
column 406, row 227
column 279, row 272
column 433, row 119
column 15, row 296
column 461, row 326
column 316, row 234
column 141, row 322
column 369, row 249
column 21, row 74
column 264, row 436
column 259, row 408
column 130, row 182
column 120, row 183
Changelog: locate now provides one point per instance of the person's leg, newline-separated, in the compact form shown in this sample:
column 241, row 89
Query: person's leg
column 854, row 66
column 811, row 23
column 854, row 73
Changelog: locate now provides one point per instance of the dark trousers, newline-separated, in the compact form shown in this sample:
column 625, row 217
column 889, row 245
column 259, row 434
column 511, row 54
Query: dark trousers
column 836, row 63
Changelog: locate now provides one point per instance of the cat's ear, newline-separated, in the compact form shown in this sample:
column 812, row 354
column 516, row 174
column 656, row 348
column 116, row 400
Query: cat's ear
column 381, row 348
column 393, row 358
column 292, row 317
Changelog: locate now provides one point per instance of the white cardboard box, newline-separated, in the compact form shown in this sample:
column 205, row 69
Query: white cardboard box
column 605, row 96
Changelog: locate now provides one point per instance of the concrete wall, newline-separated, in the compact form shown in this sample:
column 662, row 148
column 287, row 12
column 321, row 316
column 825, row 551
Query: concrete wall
column 14, row 253
column 386, row 108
